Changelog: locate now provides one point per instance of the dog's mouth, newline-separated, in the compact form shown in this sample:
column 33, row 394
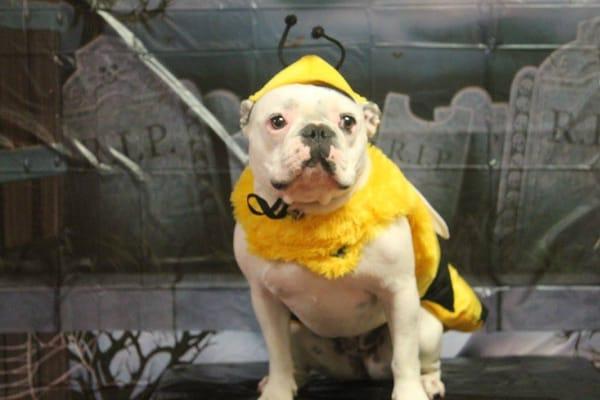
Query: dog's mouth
column 327, row 165
column 314, row 185
column 316, row 173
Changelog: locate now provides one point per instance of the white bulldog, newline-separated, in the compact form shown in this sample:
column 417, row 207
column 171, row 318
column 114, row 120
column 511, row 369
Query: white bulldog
column 308, row 147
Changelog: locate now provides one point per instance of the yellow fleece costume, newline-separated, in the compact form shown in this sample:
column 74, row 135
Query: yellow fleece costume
column 331, row 245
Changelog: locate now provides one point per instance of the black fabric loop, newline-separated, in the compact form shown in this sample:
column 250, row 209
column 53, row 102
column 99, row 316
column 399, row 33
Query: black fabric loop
column 277, row 211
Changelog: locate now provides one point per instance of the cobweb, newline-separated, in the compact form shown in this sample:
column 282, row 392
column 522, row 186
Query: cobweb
column 100, row 364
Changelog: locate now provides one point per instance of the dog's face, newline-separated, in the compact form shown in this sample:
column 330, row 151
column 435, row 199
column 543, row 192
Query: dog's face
column 308, row 142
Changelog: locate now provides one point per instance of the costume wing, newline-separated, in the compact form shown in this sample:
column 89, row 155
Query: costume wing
column 440, row 226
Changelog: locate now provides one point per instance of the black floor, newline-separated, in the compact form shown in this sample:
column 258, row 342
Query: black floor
column 512, row 378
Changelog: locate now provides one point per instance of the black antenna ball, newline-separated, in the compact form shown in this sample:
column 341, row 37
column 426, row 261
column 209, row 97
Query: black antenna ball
column 317, row 32
column 291, row 20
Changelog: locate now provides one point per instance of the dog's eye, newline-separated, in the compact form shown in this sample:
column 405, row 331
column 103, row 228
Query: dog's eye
column 347, row 122
column 278, row 122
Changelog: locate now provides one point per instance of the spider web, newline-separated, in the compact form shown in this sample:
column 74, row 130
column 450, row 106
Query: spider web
column 85, row 362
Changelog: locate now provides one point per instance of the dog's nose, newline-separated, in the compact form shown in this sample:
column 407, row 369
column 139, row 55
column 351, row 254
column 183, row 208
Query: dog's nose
column 317, row 133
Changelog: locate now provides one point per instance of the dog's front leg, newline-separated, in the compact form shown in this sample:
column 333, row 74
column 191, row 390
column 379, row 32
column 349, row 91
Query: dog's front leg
column 401, row 304
column 396, row 288
column 274, row 320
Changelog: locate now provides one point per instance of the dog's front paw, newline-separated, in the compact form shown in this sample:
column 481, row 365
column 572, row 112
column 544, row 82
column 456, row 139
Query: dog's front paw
column 409, row 390
column 433, row 385
column 277, row 388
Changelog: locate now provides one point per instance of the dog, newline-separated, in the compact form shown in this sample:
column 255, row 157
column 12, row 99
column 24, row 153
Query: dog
column 330, row 297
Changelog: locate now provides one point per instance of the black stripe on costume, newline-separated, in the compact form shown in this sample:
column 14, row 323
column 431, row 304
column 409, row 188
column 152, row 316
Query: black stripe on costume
column 484, row 312
column 440, row 291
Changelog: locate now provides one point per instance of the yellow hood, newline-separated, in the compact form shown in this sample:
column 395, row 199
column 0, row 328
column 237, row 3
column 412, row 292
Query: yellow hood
column 309, row 69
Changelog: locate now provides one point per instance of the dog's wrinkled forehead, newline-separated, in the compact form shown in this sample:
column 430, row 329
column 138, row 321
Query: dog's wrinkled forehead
column 310, row 99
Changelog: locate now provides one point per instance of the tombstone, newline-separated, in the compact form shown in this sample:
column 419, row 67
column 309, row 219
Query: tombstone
column 235, row 165
column 549, row 205
column 431, row 154
column 521, row 93
column 175, row 211
column 486, row 133
column 225, row 105
column 472, row 234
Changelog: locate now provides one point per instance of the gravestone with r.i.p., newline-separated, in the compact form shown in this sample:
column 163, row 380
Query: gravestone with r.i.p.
column 475, row 214
column 431, row 154
column 549, row 205
column 164, row 204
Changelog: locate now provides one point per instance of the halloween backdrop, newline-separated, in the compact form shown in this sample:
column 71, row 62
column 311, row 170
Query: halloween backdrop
column 115, row 225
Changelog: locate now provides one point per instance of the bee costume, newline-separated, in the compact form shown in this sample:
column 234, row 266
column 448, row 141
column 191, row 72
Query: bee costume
column 331, row 244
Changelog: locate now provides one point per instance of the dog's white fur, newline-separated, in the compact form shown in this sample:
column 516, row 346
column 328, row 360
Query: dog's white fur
column 381, row 289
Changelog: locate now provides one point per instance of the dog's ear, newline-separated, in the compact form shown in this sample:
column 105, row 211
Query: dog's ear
column 245, row 109
column 372, row 115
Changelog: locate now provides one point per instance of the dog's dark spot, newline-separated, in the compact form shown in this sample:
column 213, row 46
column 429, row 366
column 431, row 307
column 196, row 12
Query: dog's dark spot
column 362, row 305
column 280, row 185
column 317, row 350
column 370, row 342
column 289, row 104
column 373, row 299
column 372, row 339
column 296, row 214
column 371, row 302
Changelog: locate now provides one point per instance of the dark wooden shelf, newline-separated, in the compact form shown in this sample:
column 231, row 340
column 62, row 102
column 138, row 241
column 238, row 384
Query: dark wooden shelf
column 32, row 162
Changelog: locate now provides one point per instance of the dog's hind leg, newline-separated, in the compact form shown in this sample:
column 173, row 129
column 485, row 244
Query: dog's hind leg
column 313, row 353
column 377, row 362
column 430, row 346
column 302, row 361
